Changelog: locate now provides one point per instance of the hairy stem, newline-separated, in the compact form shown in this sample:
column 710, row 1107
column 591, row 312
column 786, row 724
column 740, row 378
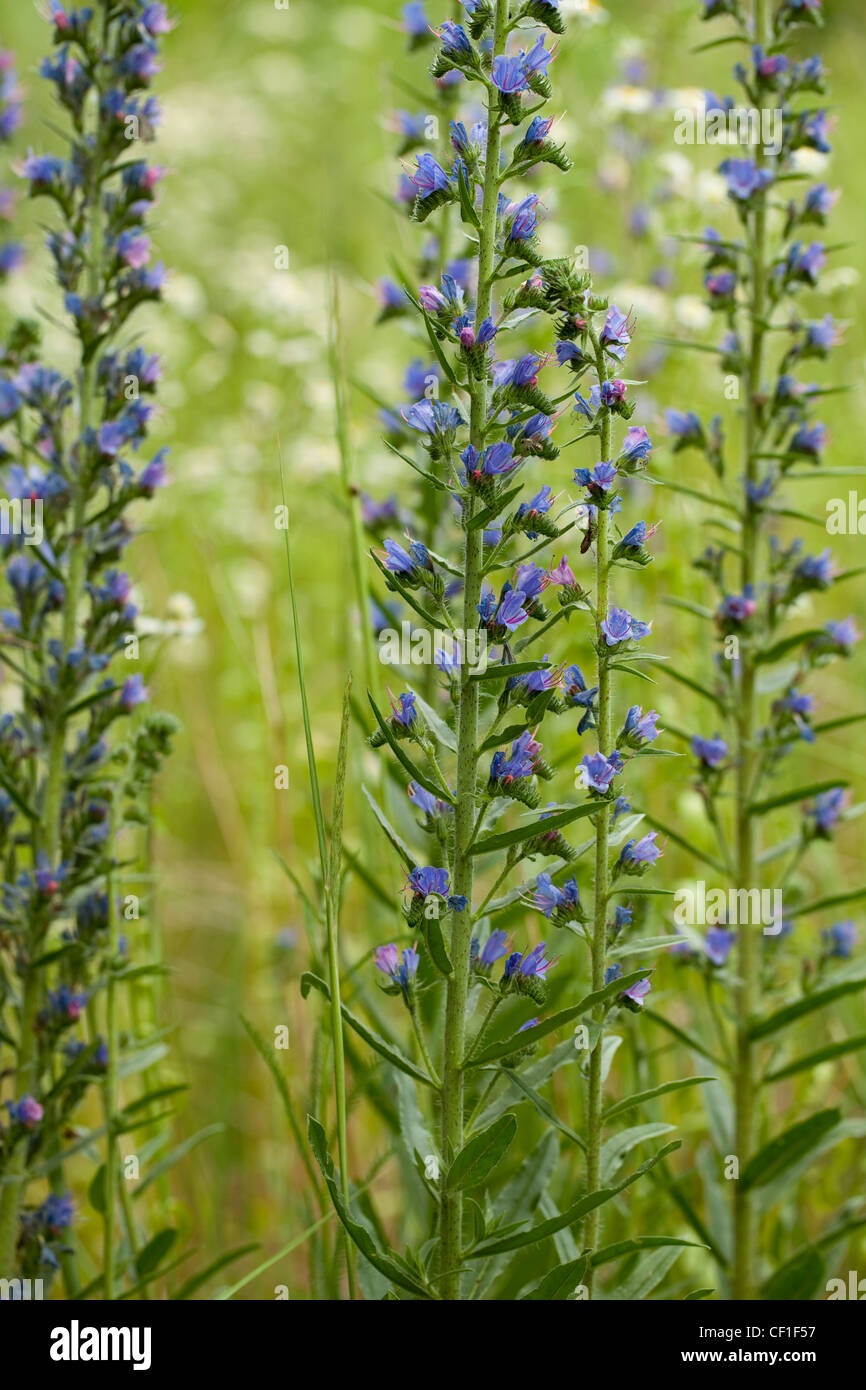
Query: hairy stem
column 602, row 836
column 746, row 826
column 451, row 1204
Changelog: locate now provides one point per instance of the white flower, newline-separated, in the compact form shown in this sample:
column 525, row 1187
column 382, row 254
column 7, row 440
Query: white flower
column 691, row 312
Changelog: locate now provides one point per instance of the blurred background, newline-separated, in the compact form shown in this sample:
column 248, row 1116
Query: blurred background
column 276, row 130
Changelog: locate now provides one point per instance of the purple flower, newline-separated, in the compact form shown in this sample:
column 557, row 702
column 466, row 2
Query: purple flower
column 640, row 728
column 825, row 811
column 429, row 177
column 844, row 635
column 806, row 263
column 616, row 333
column 533, row 963
column 433, row 417
column 454, row 39
column 596, row 772
column 685, row 426
column 809, row 440
column 403, row 709
column 710, row 752
column 620, row 626
column 26, row 1111
column 56, row 1213
column 637, row 446
column 401, row 967
column 737, row 609
column 430, row 881
column 840, row 939
column 637, row 992
column 493, row 949
column 520, row 220
column 638, row 855
column 718, row 944
column 134, row 693
column 745, row 178
column 598, row 481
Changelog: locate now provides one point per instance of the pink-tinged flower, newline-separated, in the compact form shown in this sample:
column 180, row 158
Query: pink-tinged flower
column 27, row 1111
column 562, row 574
column 637, row 992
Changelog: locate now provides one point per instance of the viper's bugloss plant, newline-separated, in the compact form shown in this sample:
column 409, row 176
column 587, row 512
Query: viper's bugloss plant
column 760, row 704
column 475, row 753
column 77, row 753
column 11, row 252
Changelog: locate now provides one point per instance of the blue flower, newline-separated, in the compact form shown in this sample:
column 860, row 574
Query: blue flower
column 596, row 772
column 710, row 752
column 840, row 939
column 745, row 178
column 718, row 944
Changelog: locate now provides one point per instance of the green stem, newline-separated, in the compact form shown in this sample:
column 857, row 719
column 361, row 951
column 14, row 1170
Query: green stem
column 602, row 837
column 746, row 1084
column 109, row 1091
column 451, row 1203
column 422, row 1047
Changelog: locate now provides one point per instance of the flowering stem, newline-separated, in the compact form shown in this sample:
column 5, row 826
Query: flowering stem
column 451, row 1204
column 746, row 837
column 602, row 832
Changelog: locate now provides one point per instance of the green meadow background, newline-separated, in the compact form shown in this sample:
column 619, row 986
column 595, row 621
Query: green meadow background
column 275, row 130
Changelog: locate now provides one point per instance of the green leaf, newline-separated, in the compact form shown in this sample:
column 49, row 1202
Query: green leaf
column 175, row 1155
column 765, row 1027
column 403, row 758
column 798, row 1279
column 156, row 1250
column 702, row 854
column 518, row 1041
column 787, row 1149
column 143, row 1101
column 648, row 1272
column 268, row 1056
column 490, row 513
column 614, row 1151
column 427, row 476
column 477, row 1159
column 408, row 858
column 834, row 900
column 760, row 808
column 558, row 1284
column 641, row 1097
column 437, row 948
column 814, row 1059
column 310, row 981
column 788, row 644
column 437, row 724
column 96, row 1191
column 637, row 1244
column 682, row 1035
column 541, row 1105
column 529, row 830
column 574, row 1214
column 315, row 794
column 193, row 1284
column 358, row 1233
column 694, row 686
